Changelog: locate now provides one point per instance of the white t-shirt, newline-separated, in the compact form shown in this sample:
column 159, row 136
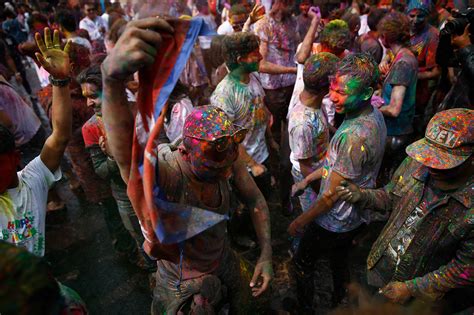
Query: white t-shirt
column 225, row 29
column 205, row 41
column 174, row 127
column 23, row 208
column 81, row 41
column 308, row 136
column 244, row 105
column 92, row 27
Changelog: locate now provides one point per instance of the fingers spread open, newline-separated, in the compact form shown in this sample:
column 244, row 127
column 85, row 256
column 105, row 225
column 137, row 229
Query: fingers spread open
column 42, row 61
column 67, row 48
column 56, row 42
column 40, row 43
column 47, row 38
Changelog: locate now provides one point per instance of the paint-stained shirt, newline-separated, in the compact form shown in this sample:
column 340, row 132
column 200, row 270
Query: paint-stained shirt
column 244, row 105
column 282, row 40
column 23, row 208
column 444, row 239
column 404, row 71
column 425, row 45
column 308, row 136
column 355, row 153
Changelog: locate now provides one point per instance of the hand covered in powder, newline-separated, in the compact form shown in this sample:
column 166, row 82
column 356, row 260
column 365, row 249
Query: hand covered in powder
column 348, row 192
column 396, row 292
column 51, row 56
column 262, row 276
column 136, row 48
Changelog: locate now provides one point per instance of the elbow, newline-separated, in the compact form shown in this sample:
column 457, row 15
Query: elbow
column 301, row 58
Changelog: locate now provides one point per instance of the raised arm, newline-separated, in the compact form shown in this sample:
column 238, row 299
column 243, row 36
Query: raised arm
column 305, row 50
column 136, row 48
column 56, row 62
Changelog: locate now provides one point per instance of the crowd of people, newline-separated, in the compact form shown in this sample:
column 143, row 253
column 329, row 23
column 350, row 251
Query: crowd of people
column 343, row 112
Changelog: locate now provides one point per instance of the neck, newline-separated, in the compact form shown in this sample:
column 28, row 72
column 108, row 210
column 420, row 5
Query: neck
column 364, row 108
column 68, row 34
column 311, row 100
column 240, row 74
column 452, row 184
column 395, row 48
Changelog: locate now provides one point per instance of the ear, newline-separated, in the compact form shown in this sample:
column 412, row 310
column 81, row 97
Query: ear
column 367, row 93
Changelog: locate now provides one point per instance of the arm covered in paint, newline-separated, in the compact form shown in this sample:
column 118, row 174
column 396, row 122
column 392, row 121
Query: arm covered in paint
column 458, row 273
column 136, row 48
column 305, row 50
column 255, row 201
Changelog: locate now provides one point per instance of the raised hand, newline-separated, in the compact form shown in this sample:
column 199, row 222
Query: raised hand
column 136, row 48
column 257, row 13
column 51, row 56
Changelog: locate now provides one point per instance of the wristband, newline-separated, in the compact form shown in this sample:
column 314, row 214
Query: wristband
column 59, row 82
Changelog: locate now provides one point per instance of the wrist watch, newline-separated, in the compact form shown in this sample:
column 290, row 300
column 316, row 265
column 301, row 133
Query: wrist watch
column 59, row 82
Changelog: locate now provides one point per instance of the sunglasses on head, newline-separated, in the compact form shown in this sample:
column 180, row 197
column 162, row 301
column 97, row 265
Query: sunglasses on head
column 222, row 143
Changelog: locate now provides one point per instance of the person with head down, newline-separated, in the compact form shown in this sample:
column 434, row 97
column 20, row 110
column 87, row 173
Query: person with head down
column 426, row 250
column 193, row 174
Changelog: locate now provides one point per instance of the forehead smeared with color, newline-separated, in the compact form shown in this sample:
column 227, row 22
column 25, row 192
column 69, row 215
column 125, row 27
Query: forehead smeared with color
column 207, row 122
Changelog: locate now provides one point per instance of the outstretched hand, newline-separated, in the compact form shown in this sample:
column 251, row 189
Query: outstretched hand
column 257, row 13
column 262, row 276
column 51, row 56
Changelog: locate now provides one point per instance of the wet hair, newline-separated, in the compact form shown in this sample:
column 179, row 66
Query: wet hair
column 374, row 17
column 91, row 75
column 238, row 9
column 7, row 140
column 66, row 19
column 317, row 70
column 352, row 20
column 217, row 53
column 238, row 45
column 361, row 67
column 27, row 285
column 395, row 27
column 336, row 36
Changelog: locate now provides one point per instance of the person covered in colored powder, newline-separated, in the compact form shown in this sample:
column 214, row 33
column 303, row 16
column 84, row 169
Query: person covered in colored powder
column 124, row 227
column 23, row 195
column 307, row 125
column 398, row 91
column 424, row 42
column 426, row 250
column 193, row 173
column 278, row 41
column 355, row 153
column 240, row 94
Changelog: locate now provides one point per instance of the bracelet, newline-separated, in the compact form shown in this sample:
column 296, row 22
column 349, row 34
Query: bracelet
column 59, row 82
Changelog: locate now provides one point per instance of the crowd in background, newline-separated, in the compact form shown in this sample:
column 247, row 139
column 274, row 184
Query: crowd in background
column 346, row 112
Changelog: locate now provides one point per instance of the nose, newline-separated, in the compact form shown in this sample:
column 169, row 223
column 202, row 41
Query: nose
column 333, row 97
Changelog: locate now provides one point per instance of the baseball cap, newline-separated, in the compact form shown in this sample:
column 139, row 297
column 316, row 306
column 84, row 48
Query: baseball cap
column 448, row 141
column 208, row 123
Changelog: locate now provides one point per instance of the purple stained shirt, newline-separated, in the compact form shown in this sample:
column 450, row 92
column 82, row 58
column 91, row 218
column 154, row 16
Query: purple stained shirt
column 25, row 122
column 282, row 39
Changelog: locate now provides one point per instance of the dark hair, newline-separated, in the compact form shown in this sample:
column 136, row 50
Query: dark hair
column 66, row 19
column 360, row 66
column 352, row 20
column 38, row 293
column 395, row 28
column 7, row 140
column 91, row 75
column 217, row 51
column 374, row 17
column 238, row 9
column 238, row 45
column 317, row 70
